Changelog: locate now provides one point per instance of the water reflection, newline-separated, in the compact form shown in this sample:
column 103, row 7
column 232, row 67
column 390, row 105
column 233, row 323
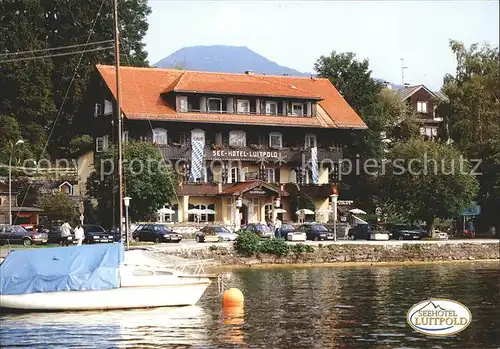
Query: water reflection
column 362, row 307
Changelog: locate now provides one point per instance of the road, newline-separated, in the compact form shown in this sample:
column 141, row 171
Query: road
column 191, row 244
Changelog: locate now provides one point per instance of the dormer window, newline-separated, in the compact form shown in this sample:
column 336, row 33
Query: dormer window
column 182, row 104
column 243, row 106
column 297, row 109
column 271, row 108
column 160, row 136
column 237, row 139
column 215, row 105
column 422, row 107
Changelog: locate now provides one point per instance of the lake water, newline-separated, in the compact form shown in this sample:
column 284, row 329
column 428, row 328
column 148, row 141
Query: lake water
column 354, row 307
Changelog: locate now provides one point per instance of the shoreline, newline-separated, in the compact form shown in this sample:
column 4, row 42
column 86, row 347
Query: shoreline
column 349, row 264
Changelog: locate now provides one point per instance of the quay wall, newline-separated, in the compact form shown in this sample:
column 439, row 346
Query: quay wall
column 224, row 256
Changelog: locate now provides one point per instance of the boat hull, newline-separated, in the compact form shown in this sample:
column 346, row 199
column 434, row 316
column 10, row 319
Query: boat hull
column 119, row 298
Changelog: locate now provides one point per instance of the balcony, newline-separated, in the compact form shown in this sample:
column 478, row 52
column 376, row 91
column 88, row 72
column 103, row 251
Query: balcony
column 282, row 155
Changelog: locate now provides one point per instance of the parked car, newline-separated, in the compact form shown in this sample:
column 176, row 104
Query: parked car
column 288, row 232
column 315, row 232
column 16, row 234
column 155, row 233
column 96, row 233
column 260, row 229
column 212, row 233
column 367, row 232
column 405, row 232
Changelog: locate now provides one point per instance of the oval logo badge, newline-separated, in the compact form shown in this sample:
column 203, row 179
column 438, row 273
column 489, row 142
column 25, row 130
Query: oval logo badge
column 439, row 317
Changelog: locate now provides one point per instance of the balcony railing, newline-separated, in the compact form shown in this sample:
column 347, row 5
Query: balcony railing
column 282, row 155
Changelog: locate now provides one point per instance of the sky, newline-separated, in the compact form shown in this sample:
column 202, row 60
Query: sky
column 296, row 33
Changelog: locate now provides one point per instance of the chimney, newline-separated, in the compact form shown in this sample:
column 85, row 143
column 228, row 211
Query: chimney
column 249, row 72
column 219, row 185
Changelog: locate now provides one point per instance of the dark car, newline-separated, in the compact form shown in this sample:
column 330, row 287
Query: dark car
column 207, row 234
column 260, row 229
column 316, row 232
column 155, row 233
column 15, row 234
column 360, row 231
column 96, row 233
column 285, row 229
column 406, row 232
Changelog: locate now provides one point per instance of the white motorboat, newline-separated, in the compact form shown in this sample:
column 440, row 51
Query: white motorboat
column 142, row 282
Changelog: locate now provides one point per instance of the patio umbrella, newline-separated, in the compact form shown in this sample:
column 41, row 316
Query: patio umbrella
column 357, row 211
column 207, row 211
column 166, row 211
column 194, row 211
column 304, row 211
column 324, row 211
column 280, row 210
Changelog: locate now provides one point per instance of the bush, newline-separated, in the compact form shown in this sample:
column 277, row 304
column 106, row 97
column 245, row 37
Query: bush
column 274, row 246
column 247, row 243
column 301, row 248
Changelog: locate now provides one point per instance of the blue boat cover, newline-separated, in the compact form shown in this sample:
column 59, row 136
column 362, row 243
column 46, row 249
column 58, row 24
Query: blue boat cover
column 74, row 268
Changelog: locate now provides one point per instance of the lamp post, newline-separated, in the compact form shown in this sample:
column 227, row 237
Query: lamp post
column 126, row 201
column 20, row 141
column 335, row 197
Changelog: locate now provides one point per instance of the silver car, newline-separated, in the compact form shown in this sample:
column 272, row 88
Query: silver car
column 260, row 229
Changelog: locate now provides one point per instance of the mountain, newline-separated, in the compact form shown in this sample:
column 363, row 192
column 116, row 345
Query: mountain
column 225, row 59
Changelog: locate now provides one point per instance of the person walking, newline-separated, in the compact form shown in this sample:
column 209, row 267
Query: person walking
column 65, row 233
column 277, row 226
column 79, row 234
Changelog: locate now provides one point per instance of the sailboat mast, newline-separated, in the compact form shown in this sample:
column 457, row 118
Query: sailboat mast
column 119, row 113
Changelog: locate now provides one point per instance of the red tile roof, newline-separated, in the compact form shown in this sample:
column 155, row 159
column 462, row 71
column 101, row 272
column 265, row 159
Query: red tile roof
column 142, row 89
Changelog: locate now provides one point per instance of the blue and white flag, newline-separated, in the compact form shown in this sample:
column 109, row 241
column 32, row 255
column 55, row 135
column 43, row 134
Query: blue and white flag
column 314, row 165
column 197, row 148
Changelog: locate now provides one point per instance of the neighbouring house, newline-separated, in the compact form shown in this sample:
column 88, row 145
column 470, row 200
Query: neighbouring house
column 25, row 216
column 234, row 139
column 425, row 103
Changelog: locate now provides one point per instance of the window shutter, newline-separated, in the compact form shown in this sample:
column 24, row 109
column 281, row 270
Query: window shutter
column 243, row 173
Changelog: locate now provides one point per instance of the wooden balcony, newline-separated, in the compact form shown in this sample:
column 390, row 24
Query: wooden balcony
column 283, row 155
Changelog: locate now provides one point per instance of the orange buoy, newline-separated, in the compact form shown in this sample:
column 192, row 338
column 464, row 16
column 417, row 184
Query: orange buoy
column 232, row 297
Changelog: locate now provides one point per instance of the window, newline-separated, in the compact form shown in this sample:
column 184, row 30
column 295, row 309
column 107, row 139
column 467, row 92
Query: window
column 160, row 136
column 268, row 212
column 275, row 140
column 97, row 110
column 215, row 105
column 184, row 139
column 271, row 178
column 310, row 141
column 422, row 107
column 243, row 106
column 237, row 139
column 271, row 108
column 235, row 175
column 101, row 143
column 125, row 136
column 182, row 105
column 297, row 109
column 142, row 272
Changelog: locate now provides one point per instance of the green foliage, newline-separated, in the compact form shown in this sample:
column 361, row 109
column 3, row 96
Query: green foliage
column 213, row 248
column 302, row 248
column 58, row 207
column 81, row 144
column 472, row 119
column 439, row 184
column 148, row 181
column 247, row 243
column 33, row 90
column 278, row 247
column 298, row 199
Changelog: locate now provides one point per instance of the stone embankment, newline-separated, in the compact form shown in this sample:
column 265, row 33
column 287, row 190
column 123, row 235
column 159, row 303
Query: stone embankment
column 226, row 256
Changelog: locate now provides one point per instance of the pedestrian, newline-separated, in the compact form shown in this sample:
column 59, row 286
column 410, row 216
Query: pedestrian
column 79, row 234
column 277, row 226
column 65, row 233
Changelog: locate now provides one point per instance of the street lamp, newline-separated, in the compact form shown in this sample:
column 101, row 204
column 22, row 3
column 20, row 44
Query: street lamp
column 126, row 201
column 20, row 141
column 335, row 197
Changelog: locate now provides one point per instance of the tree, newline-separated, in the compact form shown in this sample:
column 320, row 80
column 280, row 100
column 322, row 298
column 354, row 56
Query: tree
column 472, row 118
column 58, row 206
column 148, row 181
column 351, row 77
column 427, row 180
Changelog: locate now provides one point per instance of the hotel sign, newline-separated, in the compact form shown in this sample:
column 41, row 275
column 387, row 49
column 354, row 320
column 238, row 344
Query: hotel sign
column 244, row 154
